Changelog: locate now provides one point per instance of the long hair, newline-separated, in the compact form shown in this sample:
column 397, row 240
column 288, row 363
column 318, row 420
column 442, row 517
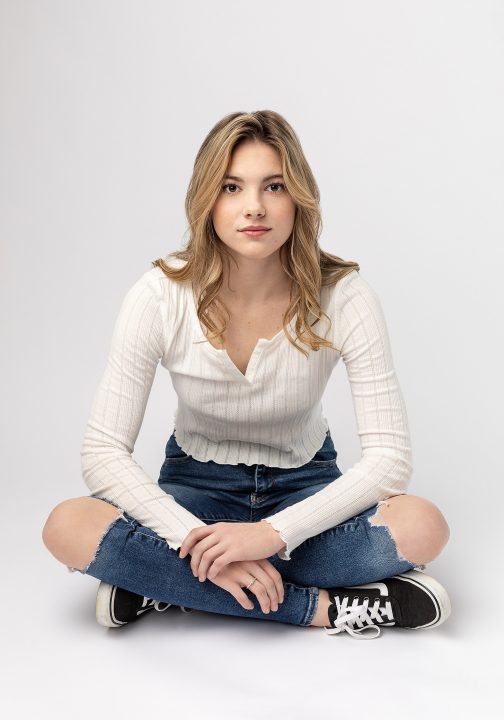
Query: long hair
column 308, row 266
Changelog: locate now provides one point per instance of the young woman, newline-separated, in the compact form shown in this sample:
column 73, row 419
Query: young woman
column 250, row 320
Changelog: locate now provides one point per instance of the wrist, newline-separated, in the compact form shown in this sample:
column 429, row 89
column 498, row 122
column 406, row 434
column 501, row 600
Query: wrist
column 275, row 534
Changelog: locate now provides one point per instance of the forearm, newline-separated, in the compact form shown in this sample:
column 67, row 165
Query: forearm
column 115, row 476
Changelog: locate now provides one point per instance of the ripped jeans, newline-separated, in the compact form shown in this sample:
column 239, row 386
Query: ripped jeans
column 135, row 558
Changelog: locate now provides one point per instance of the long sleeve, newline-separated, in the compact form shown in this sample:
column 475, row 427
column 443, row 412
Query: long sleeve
column 385, row 466
column 118, row 408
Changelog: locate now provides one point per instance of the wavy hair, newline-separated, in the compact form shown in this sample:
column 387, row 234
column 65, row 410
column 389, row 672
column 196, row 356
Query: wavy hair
column 302, row 259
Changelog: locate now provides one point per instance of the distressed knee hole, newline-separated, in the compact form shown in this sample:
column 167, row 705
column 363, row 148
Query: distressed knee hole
column 374, row 521
column 119, row 516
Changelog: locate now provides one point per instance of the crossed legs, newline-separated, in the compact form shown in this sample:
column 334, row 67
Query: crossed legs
column 75, row 527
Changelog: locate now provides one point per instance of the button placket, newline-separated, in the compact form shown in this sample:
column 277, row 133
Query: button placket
column 254, row 359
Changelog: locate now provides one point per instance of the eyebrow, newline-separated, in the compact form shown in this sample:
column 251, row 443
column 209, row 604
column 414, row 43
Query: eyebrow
column 239, row 179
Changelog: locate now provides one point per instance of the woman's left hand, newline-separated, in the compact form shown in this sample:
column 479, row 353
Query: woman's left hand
column 214, row 546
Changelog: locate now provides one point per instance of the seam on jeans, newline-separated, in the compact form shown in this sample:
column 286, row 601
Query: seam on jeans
column 155, row 537
column 178, row 460
column 207, row 519
column 321, row 463
column 313, row 595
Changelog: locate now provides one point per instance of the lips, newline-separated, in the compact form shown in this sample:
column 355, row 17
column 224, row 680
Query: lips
column 255, row 233
column 255, row 227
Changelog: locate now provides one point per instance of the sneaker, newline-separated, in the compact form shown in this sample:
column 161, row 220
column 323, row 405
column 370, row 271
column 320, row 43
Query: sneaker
column 116, row 606
column 412, row 600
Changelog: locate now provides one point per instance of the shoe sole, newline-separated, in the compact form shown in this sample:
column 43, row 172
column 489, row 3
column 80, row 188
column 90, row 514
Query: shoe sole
column 437, row 593
column 104, row 606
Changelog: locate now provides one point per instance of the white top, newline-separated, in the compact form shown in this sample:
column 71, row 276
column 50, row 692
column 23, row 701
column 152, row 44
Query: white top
column 272, row 415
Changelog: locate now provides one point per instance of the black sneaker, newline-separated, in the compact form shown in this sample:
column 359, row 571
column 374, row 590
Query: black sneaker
column 412, row 600
column 116, row 606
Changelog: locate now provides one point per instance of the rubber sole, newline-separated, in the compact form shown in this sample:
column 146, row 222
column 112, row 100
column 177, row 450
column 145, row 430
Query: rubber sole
column 104, row 606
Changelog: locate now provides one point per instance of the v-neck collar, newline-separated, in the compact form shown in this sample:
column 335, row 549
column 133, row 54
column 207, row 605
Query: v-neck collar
column 222, row 353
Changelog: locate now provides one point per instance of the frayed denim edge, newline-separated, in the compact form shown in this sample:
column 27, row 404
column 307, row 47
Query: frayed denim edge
column 399, row 556
column 121, row 516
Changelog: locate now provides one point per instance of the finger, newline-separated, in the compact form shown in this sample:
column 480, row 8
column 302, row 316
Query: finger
column 193, row 537
column 242, row 598
column 232, row 585
column 215, row 553
column 261, row 593
column 226, row 557
column 269, row 585
column 257, row 588
column 198, row 550
column 276, row 577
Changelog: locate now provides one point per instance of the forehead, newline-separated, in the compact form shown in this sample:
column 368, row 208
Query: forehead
column 253, row 155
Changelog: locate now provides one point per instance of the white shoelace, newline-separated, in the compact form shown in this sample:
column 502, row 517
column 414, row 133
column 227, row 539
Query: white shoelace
column 361, row 615
column 147, row 603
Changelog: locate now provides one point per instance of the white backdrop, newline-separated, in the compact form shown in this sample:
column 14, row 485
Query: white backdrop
column 399, row 107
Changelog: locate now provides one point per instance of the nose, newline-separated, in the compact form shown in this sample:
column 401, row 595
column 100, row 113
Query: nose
column 253, row 206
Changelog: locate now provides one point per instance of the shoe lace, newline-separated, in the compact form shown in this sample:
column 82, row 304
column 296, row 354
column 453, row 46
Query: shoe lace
column 156, row 604
column 361, row 615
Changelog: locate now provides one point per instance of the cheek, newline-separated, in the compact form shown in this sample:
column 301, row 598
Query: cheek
column 288, row 215
column 220, row 216
column 288, row 208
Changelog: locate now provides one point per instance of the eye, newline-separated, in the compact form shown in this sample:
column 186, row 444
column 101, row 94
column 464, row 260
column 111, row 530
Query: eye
column 232, row 185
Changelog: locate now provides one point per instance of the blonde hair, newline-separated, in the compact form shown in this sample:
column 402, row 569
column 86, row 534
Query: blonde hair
column 302, row 259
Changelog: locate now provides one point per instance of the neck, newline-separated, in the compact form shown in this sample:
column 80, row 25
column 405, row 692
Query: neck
column 255, row 281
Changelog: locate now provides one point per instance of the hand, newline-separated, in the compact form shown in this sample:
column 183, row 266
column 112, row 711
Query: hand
column 268, row 588
column 212, row 547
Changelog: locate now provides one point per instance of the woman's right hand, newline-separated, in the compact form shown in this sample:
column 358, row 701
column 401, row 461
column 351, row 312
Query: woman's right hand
column 268, row 588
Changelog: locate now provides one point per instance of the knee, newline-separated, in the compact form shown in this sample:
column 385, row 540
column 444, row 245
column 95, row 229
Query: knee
column 74, row 524
column 74, row 528
column 62, row 520
column 417, row 525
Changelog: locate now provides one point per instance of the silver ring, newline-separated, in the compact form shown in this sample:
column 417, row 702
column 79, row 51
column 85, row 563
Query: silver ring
column 251, row 583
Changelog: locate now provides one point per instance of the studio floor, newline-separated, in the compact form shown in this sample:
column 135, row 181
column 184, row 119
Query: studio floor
column 59, row 663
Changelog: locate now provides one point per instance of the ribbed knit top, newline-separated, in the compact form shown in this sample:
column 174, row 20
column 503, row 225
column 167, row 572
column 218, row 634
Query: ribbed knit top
column 272, row 415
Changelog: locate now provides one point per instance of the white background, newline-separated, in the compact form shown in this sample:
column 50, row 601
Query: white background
column 399, row 108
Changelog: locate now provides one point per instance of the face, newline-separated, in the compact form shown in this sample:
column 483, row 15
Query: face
column 253, row 193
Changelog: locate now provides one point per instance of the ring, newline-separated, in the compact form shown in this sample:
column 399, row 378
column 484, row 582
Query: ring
column 250, row 583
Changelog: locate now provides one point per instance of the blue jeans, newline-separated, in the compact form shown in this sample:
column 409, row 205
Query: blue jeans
column 135, row 558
